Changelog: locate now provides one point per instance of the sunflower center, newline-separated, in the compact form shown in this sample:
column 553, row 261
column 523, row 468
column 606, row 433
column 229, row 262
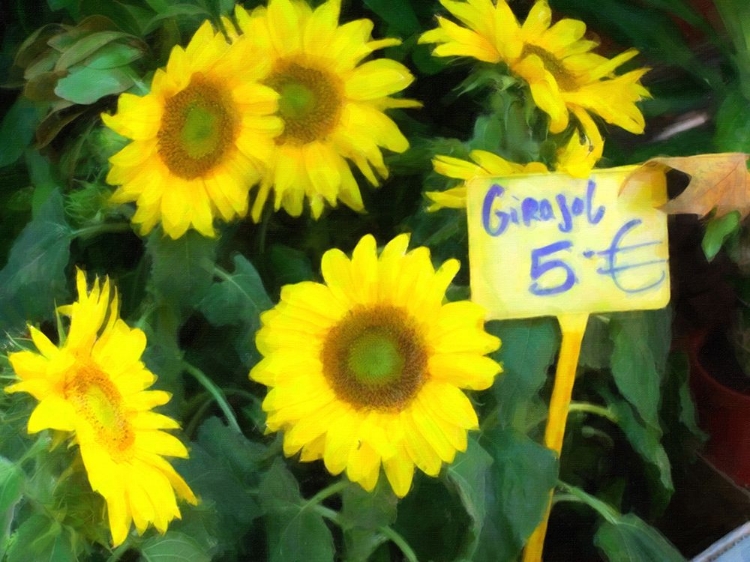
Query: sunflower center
column 96, row 399
column 375, row 359
column 310, row 101
column 199, row 126
column 565, row 79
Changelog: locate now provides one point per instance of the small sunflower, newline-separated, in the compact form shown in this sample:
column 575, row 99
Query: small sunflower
column 367, row 368
column 331, row 105
column 562, row 72
column 94, row 385
column 199, row 137
column 577, row 159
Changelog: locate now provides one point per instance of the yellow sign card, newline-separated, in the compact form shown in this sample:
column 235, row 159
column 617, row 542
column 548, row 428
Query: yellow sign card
column 551, row 244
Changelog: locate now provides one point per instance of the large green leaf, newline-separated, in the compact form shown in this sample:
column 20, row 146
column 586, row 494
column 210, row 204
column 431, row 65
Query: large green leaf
column 296, row 531
column 469, row 473
column 528, row 348
column 86, row 85
column 40, row 537
column 33, row 280
column 399, row 15
column 173, row 547
column 629, row 538
column 182, row 269
column 17, row 129
column 641, row 344
column 11, row 491
column 362, row 515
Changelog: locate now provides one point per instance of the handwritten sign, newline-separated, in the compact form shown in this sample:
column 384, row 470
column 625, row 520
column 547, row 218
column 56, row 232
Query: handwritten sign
column 551, row 244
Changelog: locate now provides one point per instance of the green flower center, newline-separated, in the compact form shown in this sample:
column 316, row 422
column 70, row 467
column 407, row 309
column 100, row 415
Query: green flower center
column 565, row 79
column 198, row 128
column 375, row 359
column 96, row 399
column 310, row 101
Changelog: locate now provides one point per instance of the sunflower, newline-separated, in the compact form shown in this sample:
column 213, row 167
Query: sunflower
column 199, row 137
column 562, row 72
column 332, row 106
column 94, row 385
column 367, row 368
column 577, row 159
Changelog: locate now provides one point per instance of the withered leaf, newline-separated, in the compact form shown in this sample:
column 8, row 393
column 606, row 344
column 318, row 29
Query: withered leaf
column 717, row 181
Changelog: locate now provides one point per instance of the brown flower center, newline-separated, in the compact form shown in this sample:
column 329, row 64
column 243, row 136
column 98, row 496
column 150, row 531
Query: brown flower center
column 565, row 79
column 96, row 399
column 198, row 128
column 310, row 101
column 375, row 359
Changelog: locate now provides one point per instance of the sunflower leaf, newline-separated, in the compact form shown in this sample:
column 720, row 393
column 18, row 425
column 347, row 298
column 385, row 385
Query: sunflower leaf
column 469, row 473
column 34, row 277
column 17, row 129
column 181, row 269
column 295, row 530
column 172, row 547
column 630, row 538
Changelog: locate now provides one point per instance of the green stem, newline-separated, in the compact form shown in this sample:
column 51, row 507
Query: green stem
column 97, row 229
column 119, row 551
column 593, row 409
column 216, row 392
column 400, row 542
column 325, row 493
column 573, row 493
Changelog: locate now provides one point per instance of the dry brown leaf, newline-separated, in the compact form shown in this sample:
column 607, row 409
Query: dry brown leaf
column 717, row 181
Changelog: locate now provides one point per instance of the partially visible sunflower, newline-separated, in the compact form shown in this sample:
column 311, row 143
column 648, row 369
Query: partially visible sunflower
column 200, row 137
column 333, row 107
column 562, row 72
column 577, row 159
column 367, row 368
column 94, row 385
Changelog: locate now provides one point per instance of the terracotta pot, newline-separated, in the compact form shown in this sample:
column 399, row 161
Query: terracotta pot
column 723, row 412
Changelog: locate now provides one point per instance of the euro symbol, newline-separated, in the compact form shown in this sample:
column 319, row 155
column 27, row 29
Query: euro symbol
column 613, row 267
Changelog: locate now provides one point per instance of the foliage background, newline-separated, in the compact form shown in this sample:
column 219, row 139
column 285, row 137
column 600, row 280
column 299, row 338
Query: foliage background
column 199, row 301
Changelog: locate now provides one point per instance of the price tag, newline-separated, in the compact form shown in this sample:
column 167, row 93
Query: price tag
column 551, row 244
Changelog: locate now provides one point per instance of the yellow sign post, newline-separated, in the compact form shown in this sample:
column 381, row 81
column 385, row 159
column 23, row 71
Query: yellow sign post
column 553, row 245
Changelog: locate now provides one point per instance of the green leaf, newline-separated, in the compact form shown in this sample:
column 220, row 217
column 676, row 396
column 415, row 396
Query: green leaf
column 33, row 280
column 87, row 85
column 11, row 484
column 181, row 270
column 11, row 491
column 596, row 349
column 238, row 299
column 646, row 440
column 295, row 530
column 641, row 344
column 17, row 129
column 399, row 15
column 115, row 55
column 733, row 124
column 40, row 538
column 222, row 468
column 176, row 11
column 469, row 473
column 717, row 231
column 526, row 473
column 528, row 349
column 629, row 538
column 172, row 547
column 362, row 514
column 289, row 264
column 85, row 47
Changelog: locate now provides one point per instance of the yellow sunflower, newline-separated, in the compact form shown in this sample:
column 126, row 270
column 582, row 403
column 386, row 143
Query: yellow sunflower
column 563, row 73
column 577, row 159
column 367, row 368
column 199, row 137
column 94, row 385
column 332, row 106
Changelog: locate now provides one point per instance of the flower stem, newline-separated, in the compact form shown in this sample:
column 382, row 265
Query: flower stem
column 593, row 409
column 326, row 492
column 575, row 494
column 97, row 229
column 400, row 542
column 216, row 392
